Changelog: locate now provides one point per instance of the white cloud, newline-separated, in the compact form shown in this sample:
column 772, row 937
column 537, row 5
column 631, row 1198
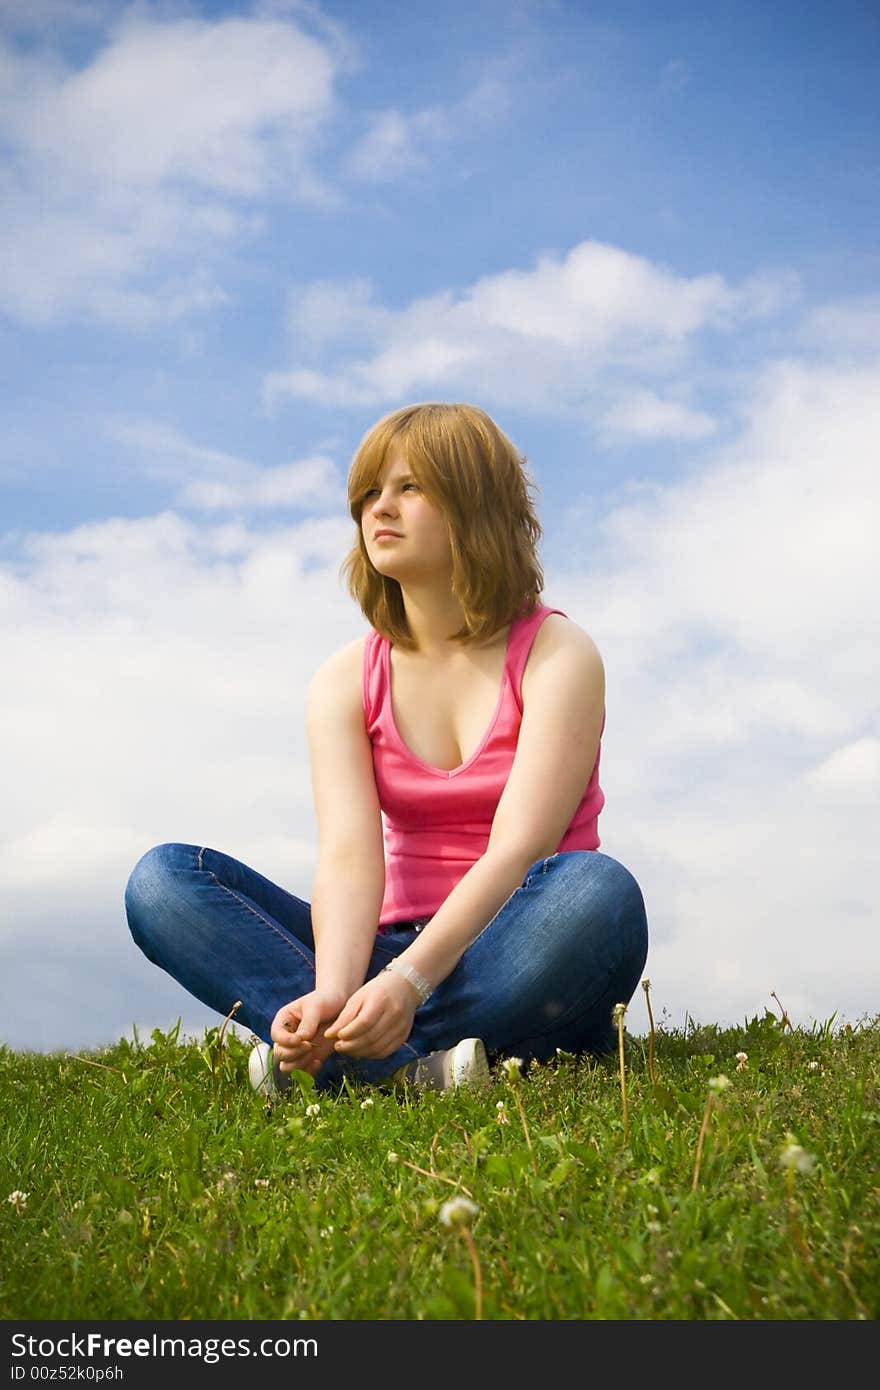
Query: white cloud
column 395, row 143
column 533, row 338
column 852, row 771
column 184, row 100
column 324, row 311
column 736, row 614
column 127, row 173
column 389, row 147
column 645, row 415
column 154, row 690
column 848, row 326
column 210, row 480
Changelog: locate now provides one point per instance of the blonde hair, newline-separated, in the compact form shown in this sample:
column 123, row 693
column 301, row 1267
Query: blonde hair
column 470, row 470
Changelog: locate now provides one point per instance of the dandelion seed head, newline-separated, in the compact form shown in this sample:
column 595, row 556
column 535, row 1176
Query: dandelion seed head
column 719, row 1083
column 458, row 1211
column 392, row 1157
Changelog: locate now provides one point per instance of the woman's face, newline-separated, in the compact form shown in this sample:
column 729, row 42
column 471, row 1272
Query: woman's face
column 419, row 546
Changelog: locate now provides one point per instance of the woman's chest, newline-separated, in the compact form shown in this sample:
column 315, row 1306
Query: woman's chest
column 443, row 712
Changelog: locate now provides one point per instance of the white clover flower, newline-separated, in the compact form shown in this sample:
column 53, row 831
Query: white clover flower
column 512, row 1068
column 365, row 1104
column 393, row 1157
column 313, row 1110
column 742, row 1060
column 719, row 1083
column 18, row 1199
column 326, row 1232
column 261, row 1182
column 654, row 1227
column 794, row 1157
column 458, row 1211
column 812, row 1066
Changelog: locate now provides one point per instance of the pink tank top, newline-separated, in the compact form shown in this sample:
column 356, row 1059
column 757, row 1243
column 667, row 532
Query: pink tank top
column 437, row 820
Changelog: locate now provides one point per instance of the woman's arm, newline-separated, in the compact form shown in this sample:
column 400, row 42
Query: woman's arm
column 563, row 709
column 350, row 878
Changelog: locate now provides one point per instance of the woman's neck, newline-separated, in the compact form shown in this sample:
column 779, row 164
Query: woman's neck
column 432, row 619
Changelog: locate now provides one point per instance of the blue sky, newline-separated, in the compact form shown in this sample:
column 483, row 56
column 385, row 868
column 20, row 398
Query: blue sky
column 642, row 237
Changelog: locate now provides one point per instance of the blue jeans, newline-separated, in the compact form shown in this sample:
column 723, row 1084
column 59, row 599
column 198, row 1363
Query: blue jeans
column 569, row 943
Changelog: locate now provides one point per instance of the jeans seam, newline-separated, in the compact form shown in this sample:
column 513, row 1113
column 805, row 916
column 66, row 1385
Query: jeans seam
column 265, row 920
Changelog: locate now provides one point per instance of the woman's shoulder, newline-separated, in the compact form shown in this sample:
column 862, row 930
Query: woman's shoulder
column 557, row 633
column 562, row 649
column 344, row 666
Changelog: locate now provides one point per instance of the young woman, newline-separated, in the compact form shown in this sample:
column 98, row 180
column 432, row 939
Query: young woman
column 483, row 920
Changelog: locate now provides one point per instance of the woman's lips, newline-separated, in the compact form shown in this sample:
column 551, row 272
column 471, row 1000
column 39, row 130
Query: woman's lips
column 387, row 536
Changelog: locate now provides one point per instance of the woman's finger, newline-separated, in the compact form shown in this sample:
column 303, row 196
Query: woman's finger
column 343, row 1020
column 367, row 1035
column 380, row 1046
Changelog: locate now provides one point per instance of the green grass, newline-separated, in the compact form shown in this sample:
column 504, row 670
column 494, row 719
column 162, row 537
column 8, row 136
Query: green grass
column 159, row 1186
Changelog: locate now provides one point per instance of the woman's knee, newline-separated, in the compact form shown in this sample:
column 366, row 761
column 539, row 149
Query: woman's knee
column 592, row 891
column 150, row 883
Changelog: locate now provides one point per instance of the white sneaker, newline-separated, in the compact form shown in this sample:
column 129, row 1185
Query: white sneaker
column 466, row 1064
column 263, row 1071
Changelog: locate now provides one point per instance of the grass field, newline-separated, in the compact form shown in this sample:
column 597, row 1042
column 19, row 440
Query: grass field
column 149, row 1181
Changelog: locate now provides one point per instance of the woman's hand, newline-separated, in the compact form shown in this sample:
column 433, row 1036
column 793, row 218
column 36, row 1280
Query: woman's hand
column 297, row 1030
column 376, row 1019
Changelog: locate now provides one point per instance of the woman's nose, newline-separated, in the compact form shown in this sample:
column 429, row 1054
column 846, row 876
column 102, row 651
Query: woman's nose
column 381, row 502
